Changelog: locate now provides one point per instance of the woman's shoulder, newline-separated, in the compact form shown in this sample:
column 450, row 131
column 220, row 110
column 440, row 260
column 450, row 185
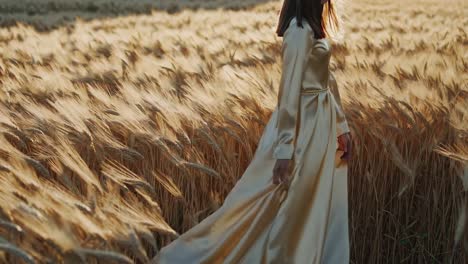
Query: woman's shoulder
column 293, row 26
column 298, row 36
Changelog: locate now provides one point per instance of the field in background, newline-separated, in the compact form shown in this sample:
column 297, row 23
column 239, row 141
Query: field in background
column 118, row 133
column 45, row 15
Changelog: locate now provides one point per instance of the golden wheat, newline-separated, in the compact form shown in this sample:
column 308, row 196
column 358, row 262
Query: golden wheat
column 120, row 133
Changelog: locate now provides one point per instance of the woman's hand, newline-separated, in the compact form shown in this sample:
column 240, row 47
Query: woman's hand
column 345, row 144
column 281, row 170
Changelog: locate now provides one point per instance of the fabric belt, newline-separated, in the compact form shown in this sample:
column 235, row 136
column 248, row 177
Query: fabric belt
column 313, row 91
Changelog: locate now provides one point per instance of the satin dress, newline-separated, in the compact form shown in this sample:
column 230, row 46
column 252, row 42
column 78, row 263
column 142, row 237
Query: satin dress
column 306, row 219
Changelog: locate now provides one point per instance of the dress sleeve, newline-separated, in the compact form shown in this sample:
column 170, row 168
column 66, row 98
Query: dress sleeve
column 294, row 56
column 341, row 123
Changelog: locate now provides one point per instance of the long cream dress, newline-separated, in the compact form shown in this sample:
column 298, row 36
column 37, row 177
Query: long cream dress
column 305, row 221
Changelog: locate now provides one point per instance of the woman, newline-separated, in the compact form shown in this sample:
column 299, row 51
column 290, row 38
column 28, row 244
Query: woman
column 290, row 205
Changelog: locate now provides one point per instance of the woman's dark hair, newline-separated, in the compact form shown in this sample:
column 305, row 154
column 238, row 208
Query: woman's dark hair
column 312, row 11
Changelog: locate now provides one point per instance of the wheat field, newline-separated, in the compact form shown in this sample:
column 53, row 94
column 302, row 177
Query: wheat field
column 120, row 132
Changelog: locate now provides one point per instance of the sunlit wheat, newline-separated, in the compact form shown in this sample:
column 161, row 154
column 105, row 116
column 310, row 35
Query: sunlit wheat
column 120, row 133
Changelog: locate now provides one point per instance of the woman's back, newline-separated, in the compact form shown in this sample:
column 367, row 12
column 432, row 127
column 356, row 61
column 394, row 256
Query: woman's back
column 317, row 51
column 305, row 71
